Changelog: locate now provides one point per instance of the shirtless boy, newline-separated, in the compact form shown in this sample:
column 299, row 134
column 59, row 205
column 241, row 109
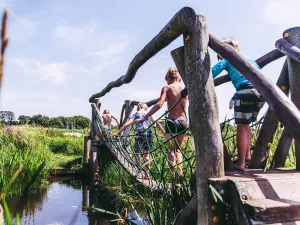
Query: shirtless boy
column 107, row 119
column 177, row 121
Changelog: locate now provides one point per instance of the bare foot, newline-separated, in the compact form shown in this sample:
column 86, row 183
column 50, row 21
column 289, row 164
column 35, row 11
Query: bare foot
column 236, row 160
column 238, row 167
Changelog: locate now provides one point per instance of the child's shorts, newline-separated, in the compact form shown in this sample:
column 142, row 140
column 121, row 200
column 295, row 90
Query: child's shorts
column 143, row 141
column 247, row 103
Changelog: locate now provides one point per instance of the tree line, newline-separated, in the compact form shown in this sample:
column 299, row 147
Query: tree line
column 79, row 122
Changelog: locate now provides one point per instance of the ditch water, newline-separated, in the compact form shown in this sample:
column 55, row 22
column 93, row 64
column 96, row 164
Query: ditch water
column 61, row 204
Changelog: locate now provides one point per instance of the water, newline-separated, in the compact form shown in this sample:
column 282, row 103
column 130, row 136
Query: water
column 61, row 203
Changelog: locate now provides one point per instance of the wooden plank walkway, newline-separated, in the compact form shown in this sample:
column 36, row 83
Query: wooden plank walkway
column 270, row 197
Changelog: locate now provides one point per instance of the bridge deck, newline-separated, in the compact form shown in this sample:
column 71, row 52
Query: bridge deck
column 267, row 197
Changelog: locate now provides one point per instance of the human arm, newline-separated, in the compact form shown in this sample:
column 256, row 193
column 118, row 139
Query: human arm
column 128, row 123
column 115, row 120
column 219, row 67
column 157, row 106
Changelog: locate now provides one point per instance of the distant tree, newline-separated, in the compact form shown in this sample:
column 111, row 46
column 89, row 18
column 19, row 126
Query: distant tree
column 40, row 120
column 7, row 116
column 81, row 122
column 57, row 122
column 24, row 119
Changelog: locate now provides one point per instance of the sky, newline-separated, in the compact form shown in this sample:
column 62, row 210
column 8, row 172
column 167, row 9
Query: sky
column 62, row 52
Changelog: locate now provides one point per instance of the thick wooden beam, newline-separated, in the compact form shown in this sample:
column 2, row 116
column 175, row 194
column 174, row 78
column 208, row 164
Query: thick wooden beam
column 288, row 49
column 262, row 61
column 178, row 25
column 178, row 56
column 282, row 150
column 268, row 58
column 269, row 126
column 87, row 149
column 286, row 112
column 188, row 215
column 294, row 78
column 149, row 103
column 122, row 115
column 204, row 115
column 128, row 110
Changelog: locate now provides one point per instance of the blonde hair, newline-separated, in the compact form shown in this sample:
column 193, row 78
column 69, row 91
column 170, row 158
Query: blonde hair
column 173, row 74
column 233, row 43
column 142, row 105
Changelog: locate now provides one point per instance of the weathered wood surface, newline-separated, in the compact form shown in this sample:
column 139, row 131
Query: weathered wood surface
column 188, row 215
column 294, row 78
column 269, row 126
column 86, row 149
column 149, row 103
column 268, row 197
column 127, row 111
column 286, row 112
column 178, row 25
column 261, row 62
column 282, row 150
column 178, row 57
column 204, row 115
column 288, row 49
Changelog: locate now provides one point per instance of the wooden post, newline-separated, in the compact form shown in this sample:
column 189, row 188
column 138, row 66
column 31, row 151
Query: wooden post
column 282, row 150
column 204, row 115
column 85, row 196
column 128, row 110
column 94, row 160
column 122, row 115
column 178, row 57
column 87, row 148
column 294, row 78
column 269, row 126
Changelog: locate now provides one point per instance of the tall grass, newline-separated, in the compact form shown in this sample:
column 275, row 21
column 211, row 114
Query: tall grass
column 27, row 147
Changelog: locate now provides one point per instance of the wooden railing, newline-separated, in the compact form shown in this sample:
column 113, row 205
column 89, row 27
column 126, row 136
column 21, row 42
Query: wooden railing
column 193, row 62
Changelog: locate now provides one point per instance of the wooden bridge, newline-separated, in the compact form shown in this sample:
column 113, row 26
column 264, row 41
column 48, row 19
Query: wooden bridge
column 255, row 196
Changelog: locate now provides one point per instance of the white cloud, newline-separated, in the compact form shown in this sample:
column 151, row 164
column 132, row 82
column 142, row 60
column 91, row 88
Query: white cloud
column 112, row 49
column 75, row 35
column 283, row 12
column 138, row 94
column 21, row 28
column 46, row 103
column 55, row 72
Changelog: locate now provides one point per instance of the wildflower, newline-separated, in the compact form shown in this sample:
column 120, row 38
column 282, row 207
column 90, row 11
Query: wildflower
column 19, row 133
column 9, row 130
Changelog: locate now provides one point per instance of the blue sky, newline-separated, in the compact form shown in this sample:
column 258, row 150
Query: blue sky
column 62, row 52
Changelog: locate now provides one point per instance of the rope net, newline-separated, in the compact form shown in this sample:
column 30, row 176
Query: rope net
column 149, row 160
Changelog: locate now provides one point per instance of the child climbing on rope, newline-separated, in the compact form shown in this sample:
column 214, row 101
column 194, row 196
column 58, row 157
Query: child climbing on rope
column 246, row 101
column 107, row 119
column 144, row 136
column 176, row 123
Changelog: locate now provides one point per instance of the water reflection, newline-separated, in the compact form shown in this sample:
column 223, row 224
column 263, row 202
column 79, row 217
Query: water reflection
column 61, row 203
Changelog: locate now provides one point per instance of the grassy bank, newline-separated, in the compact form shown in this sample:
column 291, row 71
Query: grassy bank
column 28, row 153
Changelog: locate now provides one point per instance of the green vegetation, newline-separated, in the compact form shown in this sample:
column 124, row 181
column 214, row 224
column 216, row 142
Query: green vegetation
column 23, row 149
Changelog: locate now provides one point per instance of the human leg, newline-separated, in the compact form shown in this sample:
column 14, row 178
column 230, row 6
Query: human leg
column 147, row 143
column 242, row 144
column 179, row 139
